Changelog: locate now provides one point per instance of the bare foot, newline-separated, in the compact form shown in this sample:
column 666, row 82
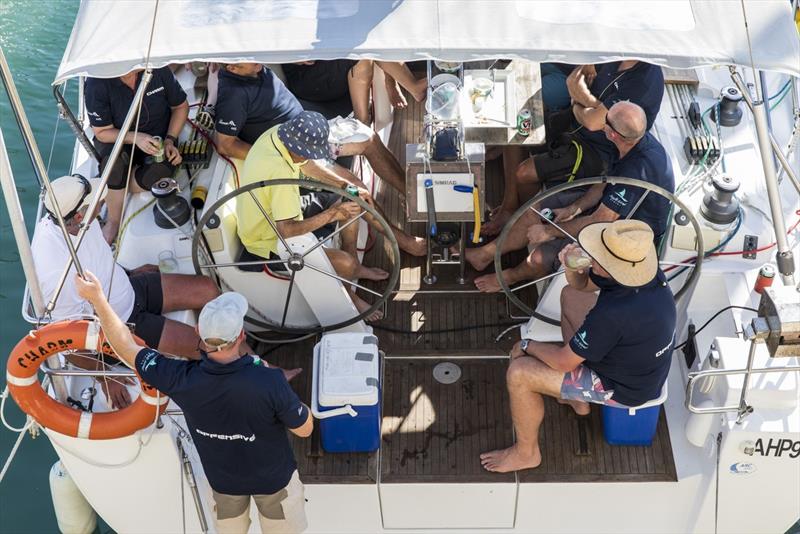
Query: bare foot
column 396, row 97
column 488, row 283
column 416, row 246
column 510, row 459
column 362, row 306
column 478, row 258
column 497, row 220
column 420, row 90
column 581, row 408
column 371, row 273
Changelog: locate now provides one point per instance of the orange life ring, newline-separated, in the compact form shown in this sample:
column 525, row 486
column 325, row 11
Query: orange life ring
column 23, row 383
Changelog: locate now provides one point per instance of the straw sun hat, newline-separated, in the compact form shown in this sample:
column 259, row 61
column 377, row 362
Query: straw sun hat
column 624, row 249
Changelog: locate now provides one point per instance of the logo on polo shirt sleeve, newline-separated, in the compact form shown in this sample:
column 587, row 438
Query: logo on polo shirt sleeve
column 618, row 197
column 150, row 360
column 581, row 340
column 227, row 123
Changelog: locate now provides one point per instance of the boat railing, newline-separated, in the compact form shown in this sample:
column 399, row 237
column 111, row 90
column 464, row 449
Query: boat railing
column 761, row 330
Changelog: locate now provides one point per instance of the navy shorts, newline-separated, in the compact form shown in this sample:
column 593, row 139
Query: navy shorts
column 147, row 171
column 147, row 306
column 557, row 164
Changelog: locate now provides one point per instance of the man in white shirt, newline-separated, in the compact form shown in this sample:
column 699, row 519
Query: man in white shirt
column 140, row 296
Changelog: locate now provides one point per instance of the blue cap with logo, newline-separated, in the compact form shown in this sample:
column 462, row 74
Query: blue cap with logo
column 306, row 135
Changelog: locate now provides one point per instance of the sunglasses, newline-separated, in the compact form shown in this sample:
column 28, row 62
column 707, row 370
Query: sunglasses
column 608, row 123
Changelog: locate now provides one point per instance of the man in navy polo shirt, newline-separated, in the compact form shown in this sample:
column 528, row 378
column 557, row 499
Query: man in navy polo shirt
column 236, row 408
column 580, row 148
column 252, row 100
column 620, row 342
column 638, row 155
column 163, row 113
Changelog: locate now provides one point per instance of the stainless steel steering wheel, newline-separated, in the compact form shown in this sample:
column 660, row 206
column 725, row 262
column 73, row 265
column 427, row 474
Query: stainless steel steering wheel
column 296, row 261
column 511, row 293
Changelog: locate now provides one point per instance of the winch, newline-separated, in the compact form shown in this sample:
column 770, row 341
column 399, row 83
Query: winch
column 171, row 210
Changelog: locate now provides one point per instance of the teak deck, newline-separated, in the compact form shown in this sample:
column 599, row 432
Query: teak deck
column 432, row 432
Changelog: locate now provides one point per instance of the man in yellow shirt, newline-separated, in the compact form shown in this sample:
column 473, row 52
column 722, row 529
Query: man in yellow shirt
column 281, row 152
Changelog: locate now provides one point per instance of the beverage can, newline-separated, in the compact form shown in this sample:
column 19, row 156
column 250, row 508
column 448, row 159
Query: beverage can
column 524, row 122
column 158, row 157
column 578, row 259
column 766, row 275
column 352, row 191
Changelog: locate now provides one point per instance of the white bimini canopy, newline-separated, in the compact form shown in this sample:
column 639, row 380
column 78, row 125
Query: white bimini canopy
column 112, row 38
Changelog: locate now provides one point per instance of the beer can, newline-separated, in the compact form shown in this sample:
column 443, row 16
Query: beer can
column 524, row 122
column 158, row 157
column 351, row 191
column 766, row 275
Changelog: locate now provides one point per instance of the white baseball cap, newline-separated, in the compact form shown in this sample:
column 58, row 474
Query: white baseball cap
column 72, row 193
column 223, row 317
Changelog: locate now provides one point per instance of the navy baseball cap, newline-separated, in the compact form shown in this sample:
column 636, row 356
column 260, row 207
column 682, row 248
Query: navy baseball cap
column 306, row 135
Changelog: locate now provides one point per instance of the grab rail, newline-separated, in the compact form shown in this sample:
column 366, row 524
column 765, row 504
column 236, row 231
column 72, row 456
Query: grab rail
column 756, row 332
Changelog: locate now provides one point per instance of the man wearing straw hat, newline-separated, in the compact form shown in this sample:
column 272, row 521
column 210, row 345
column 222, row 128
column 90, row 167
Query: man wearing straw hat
column 619, row 345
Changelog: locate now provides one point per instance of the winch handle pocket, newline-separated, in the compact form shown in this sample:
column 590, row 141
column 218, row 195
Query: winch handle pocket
column 347, row 409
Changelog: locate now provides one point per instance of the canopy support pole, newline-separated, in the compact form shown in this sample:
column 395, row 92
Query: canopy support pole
column 767, row 146
column 112, row 158
column 34, row 154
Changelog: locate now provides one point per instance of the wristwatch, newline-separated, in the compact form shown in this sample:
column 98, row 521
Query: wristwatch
column 523, row 346
column 172, row 138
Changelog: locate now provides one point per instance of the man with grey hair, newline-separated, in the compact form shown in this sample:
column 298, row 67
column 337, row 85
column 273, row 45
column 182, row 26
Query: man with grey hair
column 639, row 155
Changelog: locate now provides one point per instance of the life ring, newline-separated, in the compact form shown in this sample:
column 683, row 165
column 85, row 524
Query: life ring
column 23, row 383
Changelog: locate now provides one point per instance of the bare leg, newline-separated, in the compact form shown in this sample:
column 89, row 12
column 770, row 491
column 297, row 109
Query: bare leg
column 114, row 200
column 528, row 183
column 179, row 339
column 416, row 246
column 481, row 257
column 380, row 159
column 359, row 80
column 530, row 269
column 527, row 379
column 512, row 159
column 346, row 266
column 186, row 291
column 402, row 75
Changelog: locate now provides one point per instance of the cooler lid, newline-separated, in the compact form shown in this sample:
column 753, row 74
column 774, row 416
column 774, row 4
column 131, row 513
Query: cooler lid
column 349, row 369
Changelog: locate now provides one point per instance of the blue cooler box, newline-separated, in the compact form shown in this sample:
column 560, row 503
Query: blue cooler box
column 633, row 426
column 345, row 393
column 621, row 427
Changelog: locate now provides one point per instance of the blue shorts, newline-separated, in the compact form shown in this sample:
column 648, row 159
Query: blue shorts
column 582, row 384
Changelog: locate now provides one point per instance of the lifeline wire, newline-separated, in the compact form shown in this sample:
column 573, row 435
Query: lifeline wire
column 726, row 308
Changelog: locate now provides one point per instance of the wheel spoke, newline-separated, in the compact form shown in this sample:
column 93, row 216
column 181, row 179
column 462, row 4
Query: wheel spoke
column 344, row 280
column 528, row 284
column 678, row 264
column 288, row 299
column 638, row 203
column 334, row 233
column 270, row 221
column 242, row 263
column 537, row 212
